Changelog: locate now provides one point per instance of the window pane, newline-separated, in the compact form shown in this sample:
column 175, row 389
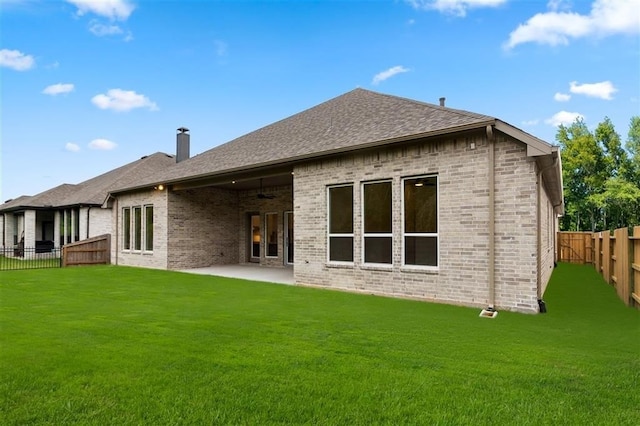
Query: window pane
column 421, row 251
column 341, row 210
column 377, row 208
column 421, row 205
column 341, row 249
column 126, row 229
column 148, row 215
column 377, row 250
column 272, row 234
column 137, row 228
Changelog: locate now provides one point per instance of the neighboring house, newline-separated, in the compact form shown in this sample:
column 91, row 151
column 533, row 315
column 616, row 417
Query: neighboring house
column 69, row 213
column 366, row 192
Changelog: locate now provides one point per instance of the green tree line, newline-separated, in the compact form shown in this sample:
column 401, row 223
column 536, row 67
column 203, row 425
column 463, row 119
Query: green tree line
column 601, row 176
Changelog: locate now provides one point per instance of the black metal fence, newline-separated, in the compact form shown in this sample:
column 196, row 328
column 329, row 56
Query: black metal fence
column 29, row 258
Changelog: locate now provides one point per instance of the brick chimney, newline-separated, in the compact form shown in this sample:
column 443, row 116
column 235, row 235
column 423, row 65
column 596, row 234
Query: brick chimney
column 182, row 144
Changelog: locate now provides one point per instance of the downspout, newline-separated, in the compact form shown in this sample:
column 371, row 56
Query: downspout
column 491, row 311
column 117, row 228
column 541, row 304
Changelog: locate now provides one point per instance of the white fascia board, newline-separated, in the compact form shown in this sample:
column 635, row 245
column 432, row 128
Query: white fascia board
column 535, row 147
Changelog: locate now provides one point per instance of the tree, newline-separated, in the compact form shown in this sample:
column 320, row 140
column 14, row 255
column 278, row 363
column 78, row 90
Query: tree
column 601, row 179
column 583, row 173
column 615, row 157
column 633, row 146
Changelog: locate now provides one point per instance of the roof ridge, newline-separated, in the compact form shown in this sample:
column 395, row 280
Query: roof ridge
column 430, row 105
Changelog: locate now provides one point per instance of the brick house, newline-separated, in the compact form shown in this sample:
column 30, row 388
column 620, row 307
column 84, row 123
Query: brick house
column 69, row 212
column 365, row 192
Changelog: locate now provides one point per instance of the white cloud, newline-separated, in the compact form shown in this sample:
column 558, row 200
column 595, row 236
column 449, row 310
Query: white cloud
column 102, row 30
column 453, row 7
column 556, row 5
column 563, row 117
column 561, row 97
column 16, row 60
column 112, row 9
column 559, row 25
column 56, row 89
column 602, row 90
column 123, row 100
column 531, row 122
column 382, row 76
column 102, row 144
column 72, row 147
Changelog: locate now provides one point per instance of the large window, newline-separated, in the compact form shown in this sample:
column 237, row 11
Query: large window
column 271, row 234
column 420, row 233
column 137, row 228
column 126, row 228
column 148, row 228
column 377, row 223
column 340, row 206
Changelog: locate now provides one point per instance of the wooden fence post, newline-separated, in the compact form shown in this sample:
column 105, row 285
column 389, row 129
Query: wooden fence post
column 597, row 252
column 606, row 256
column 634, row 264
column 622, row 264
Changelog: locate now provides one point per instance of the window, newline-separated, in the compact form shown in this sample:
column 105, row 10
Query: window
column 377, row 223
column 340, row 207
column 137, row 228
column 271, row 234
column 420, row 233
column 148, row 228
column 126, row 228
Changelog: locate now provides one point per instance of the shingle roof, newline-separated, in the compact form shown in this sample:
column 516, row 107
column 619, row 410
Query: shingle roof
column 350, row 121
column 95, row 190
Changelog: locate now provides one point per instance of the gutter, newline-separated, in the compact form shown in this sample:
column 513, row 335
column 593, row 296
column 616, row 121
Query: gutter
column 310, row 156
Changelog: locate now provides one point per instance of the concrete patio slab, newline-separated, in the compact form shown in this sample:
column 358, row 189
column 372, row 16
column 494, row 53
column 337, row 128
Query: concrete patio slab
column 248, row 271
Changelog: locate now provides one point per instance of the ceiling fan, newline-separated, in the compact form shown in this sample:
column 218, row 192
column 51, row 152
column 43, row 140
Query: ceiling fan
column 262, row 195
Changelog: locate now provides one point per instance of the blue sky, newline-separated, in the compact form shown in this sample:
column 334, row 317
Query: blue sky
column 90, row 85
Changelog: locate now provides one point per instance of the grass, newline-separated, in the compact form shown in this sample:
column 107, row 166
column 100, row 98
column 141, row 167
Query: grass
column 116, row 345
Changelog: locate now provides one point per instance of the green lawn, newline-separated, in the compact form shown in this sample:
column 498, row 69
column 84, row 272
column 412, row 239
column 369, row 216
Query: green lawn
column 116, row 345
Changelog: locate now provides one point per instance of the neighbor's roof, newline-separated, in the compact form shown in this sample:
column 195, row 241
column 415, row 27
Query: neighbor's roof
column 93, row 191
column 353, row 120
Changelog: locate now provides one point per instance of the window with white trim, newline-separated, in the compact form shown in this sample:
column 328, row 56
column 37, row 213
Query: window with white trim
column 340, row 223
column 137, row 228
column 377, row 222
column 420, row 221
column 148, row 228
column 126, row 228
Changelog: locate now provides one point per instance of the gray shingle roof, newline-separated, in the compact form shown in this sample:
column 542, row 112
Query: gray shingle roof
column 350, row 121
column 95, row 190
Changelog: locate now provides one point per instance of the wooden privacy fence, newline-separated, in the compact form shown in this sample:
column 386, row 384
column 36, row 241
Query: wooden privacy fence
column 616, row 257
column 92, row 251
column 575, row 247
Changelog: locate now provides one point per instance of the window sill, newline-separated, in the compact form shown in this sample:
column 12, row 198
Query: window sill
column 429, row 270
column 377, row 267
column 339, row 265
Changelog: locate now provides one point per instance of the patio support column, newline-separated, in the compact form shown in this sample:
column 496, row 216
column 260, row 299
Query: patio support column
column 65, row 226
column 56, row 229
column 30, row 228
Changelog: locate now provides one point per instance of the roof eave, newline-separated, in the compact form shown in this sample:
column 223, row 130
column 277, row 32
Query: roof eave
column 313, row 156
